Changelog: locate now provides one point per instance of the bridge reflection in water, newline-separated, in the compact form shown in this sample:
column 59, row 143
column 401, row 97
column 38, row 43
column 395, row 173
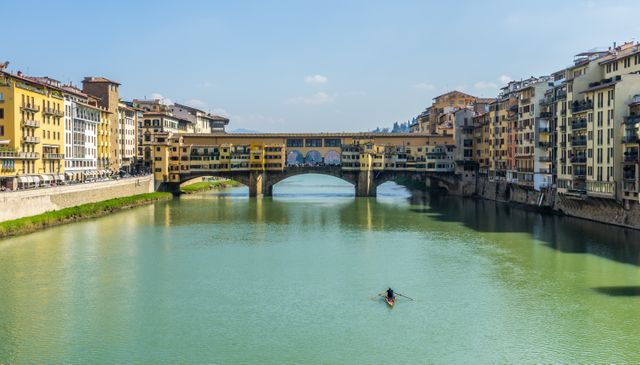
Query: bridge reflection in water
column 259, row 161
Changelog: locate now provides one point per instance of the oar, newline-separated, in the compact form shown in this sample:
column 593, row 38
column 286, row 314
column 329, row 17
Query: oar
column 404, row 296
column 372, row 298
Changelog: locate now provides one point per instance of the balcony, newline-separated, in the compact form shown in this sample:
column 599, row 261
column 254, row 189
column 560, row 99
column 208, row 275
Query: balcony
column 631, row 158
column 579, row 142
column 54, row 112
column 53, row 156
column 544, row 159
column 543, row 130
column 30, row 139
column 31, row 123
column 630, row 139
column 561, row 95
column 579, row 174
column 629, row 186
column 30, row 108
column 579, row 159
column 579, row 125
column 14, row 155
column 544, row 144
column 632, row 120
column 581, row 106
column 546, row 115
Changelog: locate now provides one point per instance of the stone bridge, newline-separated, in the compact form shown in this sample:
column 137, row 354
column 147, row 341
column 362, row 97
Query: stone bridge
column 365, row 182
column 259, row 161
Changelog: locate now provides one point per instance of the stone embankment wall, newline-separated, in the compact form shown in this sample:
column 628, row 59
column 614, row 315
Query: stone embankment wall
column 26, row 203
column 595, row 209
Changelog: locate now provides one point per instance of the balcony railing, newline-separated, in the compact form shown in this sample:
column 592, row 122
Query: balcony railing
column 579, row 159
column 581, row 106
column 53, row 156
column 631, row 158
column 629, row 186
column 543, row 130
column 546, row 114
column 30, row 139
column 579, row 174
column 579, row 124
column 31, row 123
column 579, row 142
column 561, row 95
column 632, row 120
column 544, row 159
column 544, row 144
column 30, row 108
column 19, row 155
column 52, row 111
column 630, row 139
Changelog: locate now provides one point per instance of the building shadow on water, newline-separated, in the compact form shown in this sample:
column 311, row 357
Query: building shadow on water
column 566, row 234
column 618, row 291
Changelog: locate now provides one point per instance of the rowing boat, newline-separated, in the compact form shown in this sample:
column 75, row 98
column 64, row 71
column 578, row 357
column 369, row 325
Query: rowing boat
column 390, row 301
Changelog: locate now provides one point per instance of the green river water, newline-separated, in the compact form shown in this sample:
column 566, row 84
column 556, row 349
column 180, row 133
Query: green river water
column 220, row 278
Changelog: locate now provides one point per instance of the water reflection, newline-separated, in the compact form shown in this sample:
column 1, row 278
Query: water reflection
column 566, row 234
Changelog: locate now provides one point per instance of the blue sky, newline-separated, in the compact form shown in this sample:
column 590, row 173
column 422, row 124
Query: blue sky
column 308, row 65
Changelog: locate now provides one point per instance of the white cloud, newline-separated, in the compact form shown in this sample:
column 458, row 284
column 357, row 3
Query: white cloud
column 425, row 86
column 318, row 98
column 196, row 103
column 504, row 79
column 316, row 79
column 163, row 100
column 485, row 85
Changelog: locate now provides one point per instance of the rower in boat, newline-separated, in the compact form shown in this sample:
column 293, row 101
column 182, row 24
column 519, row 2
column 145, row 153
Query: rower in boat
column 390, row 294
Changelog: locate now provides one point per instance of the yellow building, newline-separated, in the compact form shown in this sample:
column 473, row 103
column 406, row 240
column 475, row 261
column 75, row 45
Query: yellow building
column 104, row 141
column 31, row 131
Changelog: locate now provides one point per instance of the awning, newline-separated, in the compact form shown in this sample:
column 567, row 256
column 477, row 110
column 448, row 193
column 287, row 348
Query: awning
column 46, row 178
column 68, row 175
column 23, row 180
column 59, row 177
column 36, row 179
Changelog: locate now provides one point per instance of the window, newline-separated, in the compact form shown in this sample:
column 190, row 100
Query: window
column 1, row 130
column 313, row 143
column 330, row 142
column 1, row 111
column 294, row 142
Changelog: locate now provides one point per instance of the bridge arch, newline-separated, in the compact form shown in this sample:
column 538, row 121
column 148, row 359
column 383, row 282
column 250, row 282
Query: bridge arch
column 295, row 158
column 332, row 158
column 313, row 158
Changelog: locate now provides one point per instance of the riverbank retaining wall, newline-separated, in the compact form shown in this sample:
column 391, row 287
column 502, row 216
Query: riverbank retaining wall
column 18, row 204
column 596, row 209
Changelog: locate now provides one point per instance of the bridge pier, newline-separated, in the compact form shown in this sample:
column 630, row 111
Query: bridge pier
column 258, row 184
column 365, row 184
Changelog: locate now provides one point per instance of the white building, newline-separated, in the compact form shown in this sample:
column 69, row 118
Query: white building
column 82, row 116
column 127, row 136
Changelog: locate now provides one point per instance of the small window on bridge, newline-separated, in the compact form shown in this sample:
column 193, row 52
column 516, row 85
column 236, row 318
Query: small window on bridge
column 313, row 142
column 332, row 142
column 294, row 142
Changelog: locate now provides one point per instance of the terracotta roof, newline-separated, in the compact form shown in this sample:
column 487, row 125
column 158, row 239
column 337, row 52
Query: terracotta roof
column 454, row 92
column 99, row 79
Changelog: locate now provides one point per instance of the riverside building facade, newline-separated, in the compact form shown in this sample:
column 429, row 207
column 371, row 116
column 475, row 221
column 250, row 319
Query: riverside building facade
column 31, row 130
column 575, row 131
